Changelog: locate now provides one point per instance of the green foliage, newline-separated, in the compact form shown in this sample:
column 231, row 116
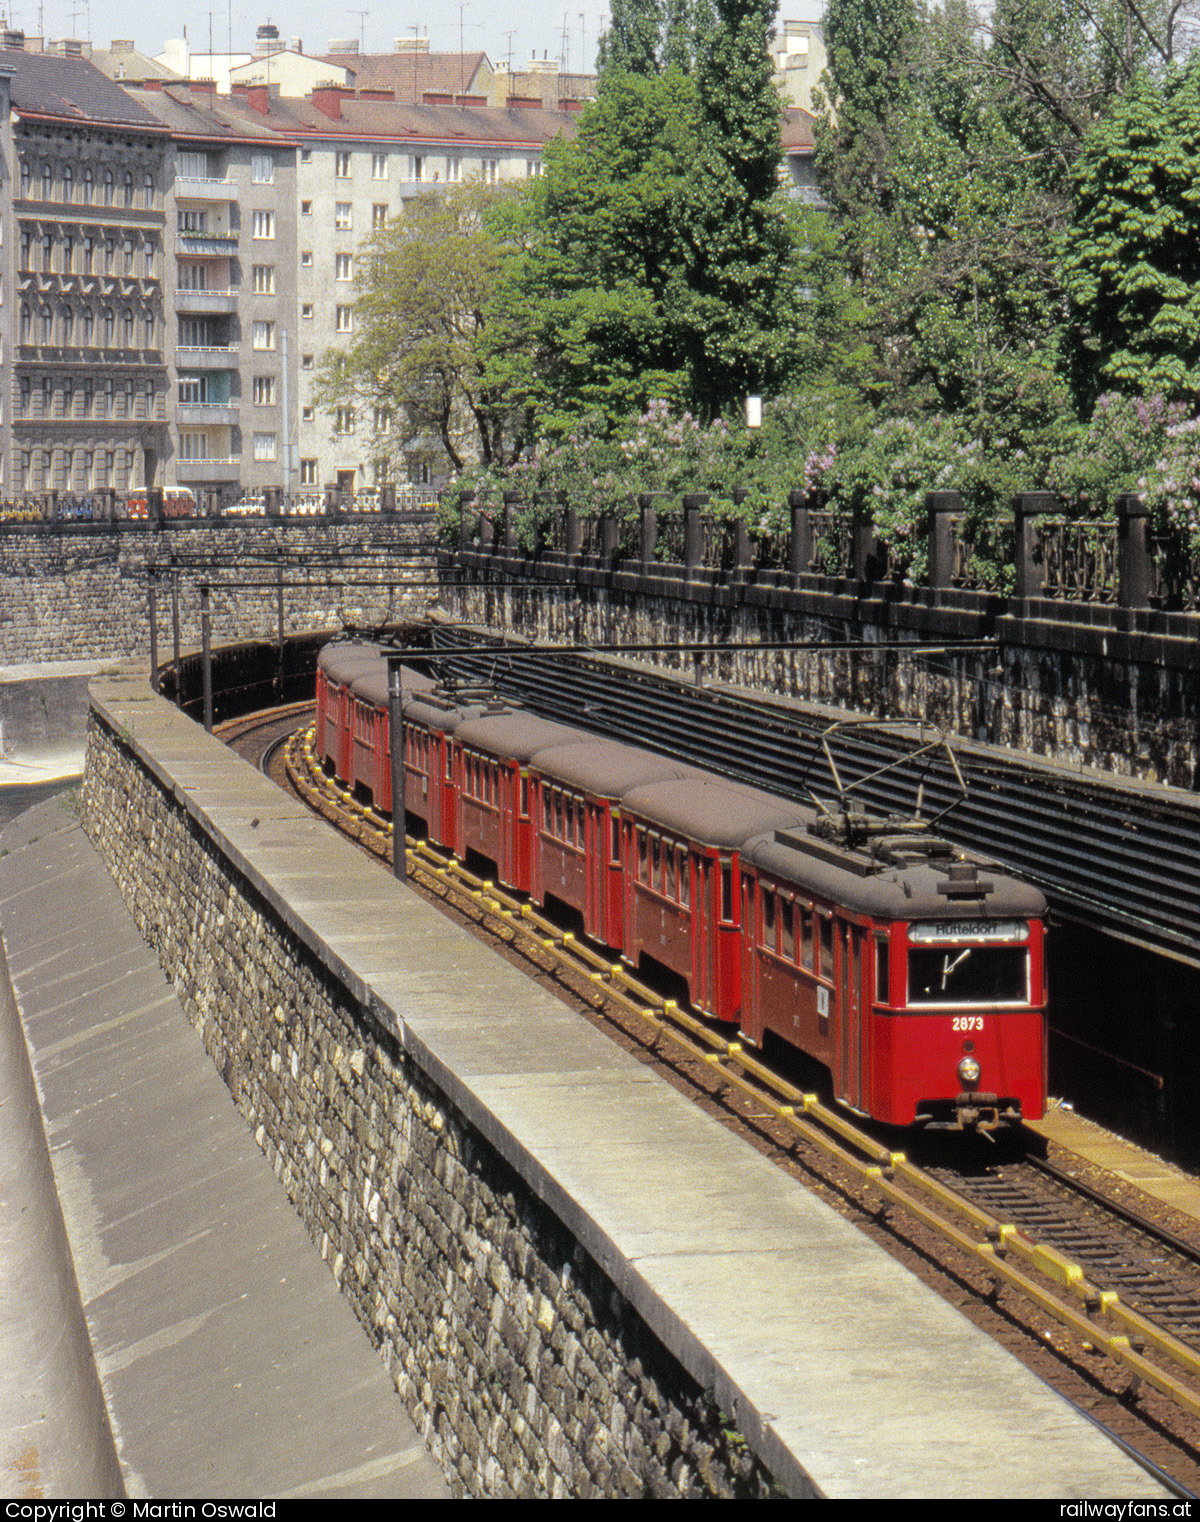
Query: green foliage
column 1121, row 449
column 421, row 320
column 1133, row 250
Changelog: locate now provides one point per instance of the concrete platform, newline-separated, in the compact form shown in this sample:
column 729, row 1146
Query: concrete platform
column 1153, row 1175
column 230, row 1366
column 844, row 1372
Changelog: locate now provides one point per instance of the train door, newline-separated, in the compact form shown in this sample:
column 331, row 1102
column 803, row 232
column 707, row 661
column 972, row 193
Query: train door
column 703, row 932
column 506, row 801
column 595, row 867
column 851, row 1075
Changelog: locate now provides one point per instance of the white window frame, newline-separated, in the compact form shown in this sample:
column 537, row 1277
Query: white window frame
column 264, row 226
column 344, row 319
column 264, row 335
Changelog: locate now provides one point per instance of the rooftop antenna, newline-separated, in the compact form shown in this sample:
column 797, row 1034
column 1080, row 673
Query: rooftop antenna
column 416, row 31
column 565, row 58
column 362, row 29
column 462, row 61
column 508, row 37
column 582, row 42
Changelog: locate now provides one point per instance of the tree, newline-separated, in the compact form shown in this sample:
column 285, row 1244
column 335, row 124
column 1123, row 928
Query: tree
column 418, row 356
column 1133, row 250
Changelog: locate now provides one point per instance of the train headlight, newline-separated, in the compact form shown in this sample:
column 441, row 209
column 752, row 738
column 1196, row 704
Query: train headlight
column 968, row 1072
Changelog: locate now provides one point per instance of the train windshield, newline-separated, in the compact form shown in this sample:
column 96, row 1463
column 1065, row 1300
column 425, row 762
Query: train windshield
column 968, row 975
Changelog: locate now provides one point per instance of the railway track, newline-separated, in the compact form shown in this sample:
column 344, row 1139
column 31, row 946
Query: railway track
column 1109, row 1298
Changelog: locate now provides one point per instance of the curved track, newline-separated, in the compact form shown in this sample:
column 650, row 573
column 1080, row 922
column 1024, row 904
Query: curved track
column 990, row 1238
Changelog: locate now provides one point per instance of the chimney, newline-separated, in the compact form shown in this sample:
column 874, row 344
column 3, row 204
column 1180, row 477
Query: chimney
column 203, row 86
column 343, row 44
column 376, row 93
column 296, row 45
column 410, row 44
column 257, row 97
column 152, row 84
column 437, row 98
column 14, row 40
column 327, row 99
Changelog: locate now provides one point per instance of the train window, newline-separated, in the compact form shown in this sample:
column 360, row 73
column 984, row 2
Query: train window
column 656, row 863
column 768, row 919
column 580, row 824
column 826, row 924
column 558, row 814
column 787, row 939
column 685, row 877
column 641, row 835
column 449, row 763
column 524, row 796
column 615, row 845
column 882, row 983
column 968, row 975
column 546, row 809
column 727, row 892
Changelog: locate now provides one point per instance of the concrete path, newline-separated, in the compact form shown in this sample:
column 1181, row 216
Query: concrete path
column 229, row 1363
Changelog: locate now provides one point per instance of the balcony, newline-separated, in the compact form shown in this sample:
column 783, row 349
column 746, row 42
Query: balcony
column 207, row 191
column 203, row 414
column 211, row 357
column 207, row 470
column 206, row 245
column 206, row 301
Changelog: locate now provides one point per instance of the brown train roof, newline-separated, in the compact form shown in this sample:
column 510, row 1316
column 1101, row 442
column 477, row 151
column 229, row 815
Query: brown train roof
column 516, row 736
column 373, row 688
column 711, row 811
column 343, row 660
column 896, row 893
column 606, row 769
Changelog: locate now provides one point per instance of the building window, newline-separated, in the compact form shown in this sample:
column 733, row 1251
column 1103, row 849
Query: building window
column 416, row 167
column 47, row 253
column 193, row 446
column 262, row 169
column 264, row 446
column 68, row 326
column 89, row 187
column 47, row 396
column 25, row 179
column 309, row 414
column 88, row 395
column 47, row 183
column 148, row 191
column 306, row 311
column 306, row 208
column 306, row 362
column 379, row 215
column 264, row 224
column 345, row 267
column 108, row 187
column 533, row 168
column 379, row 166
column 47, row 323
column 306, row 258
column 193, row 221
column 264, row 335
column 128, row 398
column 89, row 325
column 149, row 330
column 148, row 249
column 108, row 409
column 343, row 420
column 192, row 390
column 193, row 166
column 383, row 420
column 345, row 319
column 264, row 390
column 26, row 248
column 127, row 326
column 128, row 253
column 491, row 169
column 264, row 280
column 149, row 399
column 128, row 188
column 26, row 322
column 89, row 255
column 343, row 216
column 306, row 155
column 308, row 472
column 26, row 395
column 343, row 166
column 68, row 184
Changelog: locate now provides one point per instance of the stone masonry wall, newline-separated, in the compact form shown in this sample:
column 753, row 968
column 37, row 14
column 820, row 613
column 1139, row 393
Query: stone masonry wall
column 81, row 591
column 526, row 1369
column 1094, row 687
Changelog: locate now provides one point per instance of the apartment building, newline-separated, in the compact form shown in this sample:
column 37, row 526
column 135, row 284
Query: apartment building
column 231, row 295
column 82, row 260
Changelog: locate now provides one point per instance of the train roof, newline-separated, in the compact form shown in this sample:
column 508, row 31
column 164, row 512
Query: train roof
column 434, row 711
column 517, row 736
column 712, row 811
column 343, row 660
column 918, row 890
column 607, row 769
column 373, row 688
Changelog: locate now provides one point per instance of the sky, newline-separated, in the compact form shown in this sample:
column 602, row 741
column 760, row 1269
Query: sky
column 530, row 30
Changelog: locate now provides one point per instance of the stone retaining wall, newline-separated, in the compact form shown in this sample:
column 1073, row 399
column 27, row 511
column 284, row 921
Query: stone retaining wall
column 1089, row 685
column 81, row 591
column 525, row 1367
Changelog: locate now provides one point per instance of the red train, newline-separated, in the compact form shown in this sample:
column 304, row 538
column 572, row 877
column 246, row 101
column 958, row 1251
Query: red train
column 912, row 971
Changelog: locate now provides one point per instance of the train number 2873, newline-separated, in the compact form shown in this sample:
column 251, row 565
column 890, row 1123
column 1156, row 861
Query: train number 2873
column 968, row 1022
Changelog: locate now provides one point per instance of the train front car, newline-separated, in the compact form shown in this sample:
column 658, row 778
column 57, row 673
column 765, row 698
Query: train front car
column 914, row 974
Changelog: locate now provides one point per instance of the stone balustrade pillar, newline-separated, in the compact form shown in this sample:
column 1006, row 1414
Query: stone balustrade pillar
column 1135, row 572
column 942, row 507
column 1030, row 566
